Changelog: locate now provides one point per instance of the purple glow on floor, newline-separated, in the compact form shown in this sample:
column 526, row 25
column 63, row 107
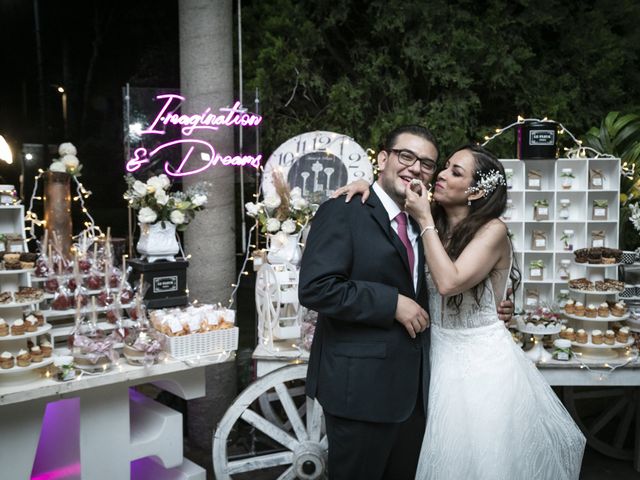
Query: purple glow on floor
column 59, row 473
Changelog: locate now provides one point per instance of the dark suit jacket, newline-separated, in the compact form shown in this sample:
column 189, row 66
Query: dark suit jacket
column 363, row 363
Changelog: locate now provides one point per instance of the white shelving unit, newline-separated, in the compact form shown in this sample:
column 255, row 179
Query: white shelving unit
column 522, row 223
column 12, row 222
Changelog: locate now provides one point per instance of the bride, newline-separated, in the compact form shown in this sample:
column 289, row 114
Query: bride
column 491, row 415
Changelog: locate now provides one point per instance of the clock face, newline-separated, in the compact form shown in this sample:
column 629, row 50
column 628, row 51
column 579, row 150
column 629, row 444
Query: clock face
column 317, row 163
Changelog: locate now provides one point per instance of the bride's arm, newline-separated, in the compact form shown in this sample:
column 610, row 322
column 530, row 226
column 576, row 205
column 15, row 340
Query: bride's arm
column 353, row 188
column 475, row 262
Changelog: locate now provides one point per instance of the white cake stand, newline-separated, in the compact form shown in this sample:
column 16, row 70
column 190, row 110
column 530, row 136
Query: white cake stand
column 538, row 353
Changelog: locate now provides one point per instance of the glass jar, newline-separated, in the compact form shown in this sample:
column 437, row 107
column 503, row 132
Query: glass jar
column 567, row 178
column 563, row 297
column 567, row 240
column 563, row 214
column 563, row 270
column 508, row 172
column 508, row 210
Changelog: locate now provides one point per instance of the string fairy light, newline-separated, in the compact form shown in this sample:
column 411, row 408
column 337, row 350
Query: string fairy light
column 236, row 285
column 577, row 152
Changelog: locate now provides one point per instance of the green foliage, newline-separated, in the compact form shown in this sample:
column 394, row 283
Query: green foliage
column 619, row 135
column 461, row 67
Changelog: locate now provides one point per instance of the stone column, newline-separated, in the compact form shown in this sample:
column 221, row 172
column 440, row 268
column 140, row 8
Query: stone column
column 206, row 80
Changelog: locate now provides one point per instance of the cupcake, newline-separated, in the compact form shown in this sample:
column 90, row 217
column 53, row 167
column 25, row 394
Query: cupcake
column 617, row 309
column 596, row 337
column 582, row 255
column 579, row 309
column 6, row 360
column 4, row 328
column 603, row 309
column 23, row 358
column 609, row 337
column 623, row 335
column 36, row 354
column 591, row 311
column 581, row 336
column 563, row 331
column 40, row 316
column 571, row 334
column 18, row 327
column 31, row 323
column 46, row 348
column 570, row 307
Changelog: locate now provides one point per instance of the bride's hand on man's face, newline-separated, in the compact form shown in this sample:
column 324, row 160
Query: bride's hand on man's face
column 417, row 204
column 351, row 189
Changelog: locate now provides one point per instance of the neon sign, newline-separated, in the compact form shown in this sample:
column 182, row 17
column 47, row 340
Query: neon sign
column 199, row 150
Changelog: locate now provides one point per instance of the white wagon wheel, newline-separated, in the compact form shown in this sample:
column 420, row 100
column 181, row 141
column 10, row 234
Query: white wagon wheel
column 608, row 417
column 296, row 452
column 267, row 295
column 270, row 402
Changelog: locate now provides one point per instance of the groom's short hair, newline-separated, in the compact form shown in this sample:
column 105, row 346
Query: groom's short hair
column 417, row 130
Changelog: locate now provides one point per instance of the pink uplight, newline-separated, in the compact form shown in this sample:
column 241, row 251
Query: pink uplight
column 58, row 473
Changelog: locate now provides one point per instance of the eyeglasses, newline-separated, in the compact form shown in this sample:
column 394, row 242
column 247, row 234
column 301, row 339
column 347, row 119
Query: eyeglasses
column 408, row 158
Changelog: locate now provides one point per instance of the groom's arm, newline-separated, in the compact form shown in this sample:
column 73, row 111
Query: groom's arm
column 325, row 272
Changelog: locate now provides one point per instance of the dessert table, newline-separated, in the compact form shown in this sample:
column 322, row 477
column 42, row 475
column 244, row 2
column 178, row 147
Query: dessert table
column 96, row 426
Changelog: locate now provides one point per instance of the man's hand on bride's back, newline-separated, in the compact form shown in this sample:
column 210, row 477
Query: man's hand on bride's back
column 351, row 189
column 505, row 309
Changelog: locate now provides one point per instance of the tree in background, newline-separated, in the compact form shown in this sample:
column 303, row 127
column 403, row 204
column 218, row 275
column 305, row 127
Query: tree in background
column 461, row 67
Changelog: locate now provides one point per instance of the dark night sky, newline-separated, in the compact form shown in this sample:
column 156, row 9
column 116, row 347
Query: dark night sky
column 92, row 48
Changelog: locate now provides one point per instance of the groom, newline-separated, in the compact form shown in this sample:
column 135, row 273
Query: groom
column 363, row 272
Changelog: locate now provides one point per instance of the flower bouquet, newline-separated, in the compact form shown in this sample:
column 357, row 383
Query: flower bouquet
column 68, row 161
column 282, row 217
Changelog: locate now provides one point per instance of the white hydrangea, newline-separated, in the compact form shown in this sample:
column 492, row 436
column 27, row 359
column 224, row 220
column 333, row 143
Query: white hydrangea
column 272, row 202
column 67, row 149
column 273, row 225
column 147, row 215
column 70, row 161
column 177, row 217
column 199, row 199
column 288, row 226
column 57, row 166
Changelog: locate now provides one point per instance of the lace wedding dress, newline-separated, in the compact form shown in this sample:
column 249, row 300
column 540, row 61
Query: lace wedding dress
column 491, row 415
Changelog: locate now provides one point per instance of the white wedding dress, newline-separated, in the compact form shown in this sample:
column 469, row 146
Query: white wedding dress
column 491, row 415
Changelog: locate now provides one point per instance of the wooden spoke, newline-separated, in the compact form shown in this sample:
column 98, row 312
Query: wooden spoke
column 259, row 462
column 269, row 429
column 292, row 412
column 288, row 474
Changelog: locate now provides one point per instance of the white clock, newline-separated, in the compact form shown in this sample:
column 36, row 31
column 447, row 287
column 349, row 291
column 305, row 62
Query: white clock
column 318, row 163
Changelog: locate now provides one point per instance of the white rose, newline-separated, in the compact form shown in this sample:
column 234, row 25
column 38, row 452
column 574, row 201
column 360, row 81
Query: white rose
column 288, row 226
column 299, row 203
column 273, row 225
column 70, row 161
column 161, row 197
column 177, row 217
column 67, row 149
column 147, row 215
column 296, row 193
column 139, row 188
column 57, row 166
column 156, row 183
column 199, row 199
column 272, row 202
column 165, row 181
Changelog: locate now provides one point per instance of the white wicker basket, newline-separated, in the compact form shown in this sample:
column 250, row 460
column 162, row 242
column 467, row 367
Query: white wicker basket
column 215, row 341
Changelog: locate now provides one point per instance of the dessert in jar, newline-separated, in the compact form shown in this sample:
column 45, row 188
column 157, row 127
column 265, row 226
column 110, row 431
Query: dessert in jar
column 563, row 270
column 563, row 214
column 567, row 178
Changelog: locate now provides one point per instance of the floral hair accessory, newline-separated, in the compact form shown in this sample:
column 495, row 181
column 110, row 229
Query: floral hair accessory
column 488, row 182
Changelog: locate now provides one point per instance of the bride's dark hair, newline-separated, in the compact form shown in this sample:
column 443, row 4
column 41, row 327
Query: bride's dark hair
column 481, row 211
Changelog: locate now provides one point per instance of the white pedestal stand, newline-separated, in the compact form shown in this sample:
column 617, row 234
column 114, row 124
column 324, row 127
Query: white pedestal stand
column 538, row 353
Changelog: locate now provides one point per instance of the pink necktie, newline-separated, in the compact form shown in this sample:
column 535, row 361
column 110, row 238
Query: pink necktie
column 401, row 219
